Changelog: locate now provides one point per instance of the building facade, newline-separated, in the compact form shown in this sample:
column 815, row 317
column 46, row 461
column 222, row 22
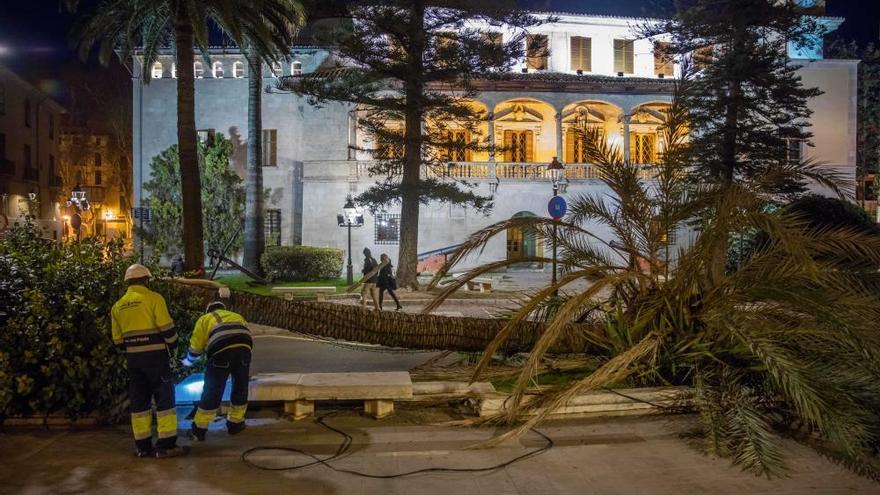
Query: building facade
column 596, row 74
column 30, row 136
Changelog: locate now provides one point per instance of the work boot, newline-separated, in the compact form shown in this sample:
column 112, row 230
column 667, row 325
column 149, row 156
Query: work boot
column 143, row 453
column 176, row 451
column 196, row 433
column 235, row 428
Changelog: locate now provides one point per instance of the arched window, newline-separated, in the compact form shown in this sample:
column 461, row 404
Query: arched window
column 238, row 70
column 296, row 68
column 157, row 70
column 198, row 71
column 217, row 70
column 174, row 71
column 277, row 69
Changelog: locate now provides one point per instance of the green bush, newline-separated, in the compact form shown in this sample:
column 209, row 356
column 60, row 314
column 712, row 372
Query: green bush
column 301, row 263
column 56, row 352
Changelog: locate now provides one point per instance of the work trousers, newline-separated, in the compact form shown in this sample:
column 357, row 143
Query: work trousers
column 148, row 384
column 234, row 362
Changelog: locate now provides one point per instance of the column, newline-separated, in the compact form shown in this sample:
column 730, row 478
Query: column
column 559, row 136
column 352, row 134
column 626, row 119
column 491, row 125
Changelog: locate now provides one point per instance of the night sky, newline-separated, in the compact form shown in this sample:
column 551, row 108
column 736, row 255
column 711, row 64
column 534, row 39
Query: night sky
column 33, row 35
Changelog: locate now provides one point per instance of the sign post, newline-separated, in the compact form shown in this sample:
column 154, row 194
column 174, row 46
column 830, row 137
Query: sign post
column 556, row 208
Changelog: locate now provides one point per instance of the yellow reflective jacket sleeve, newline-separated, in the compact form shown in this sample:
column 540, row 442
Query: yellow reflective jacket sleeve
column 200, row 335
column 115, row 330
column 164, row 323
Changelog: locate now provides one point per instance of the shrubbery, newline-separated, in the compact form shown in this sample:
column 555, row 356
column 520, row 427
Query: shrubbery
column 56, row 352
column 301, row 263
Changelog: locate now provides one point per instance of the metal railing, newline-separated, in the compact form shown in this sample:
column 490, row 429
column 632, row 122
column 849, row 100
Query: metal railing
column 504, row 171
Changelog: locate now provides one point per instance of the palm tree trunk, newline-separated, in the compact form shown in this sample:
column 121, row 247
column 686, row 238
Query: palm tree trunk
column 407, row 255
column 254, row 235
column 190, row 181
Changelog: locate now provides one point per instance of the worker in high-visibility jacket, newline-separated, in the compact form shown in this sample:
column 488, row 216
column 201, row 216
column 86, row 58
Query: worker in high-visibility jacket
column 142, row 327
column 225, row 340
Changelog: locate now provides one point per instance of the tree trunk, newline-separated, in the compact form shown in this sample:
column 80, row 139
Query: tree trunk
column 407, row 256
column 254, row 235
column 190, row 182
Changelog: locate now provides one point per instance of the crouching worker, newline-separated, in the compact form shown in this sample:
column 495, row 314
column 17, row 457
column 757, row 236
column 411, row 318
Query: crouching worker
column 143, row 328
column 223, row 337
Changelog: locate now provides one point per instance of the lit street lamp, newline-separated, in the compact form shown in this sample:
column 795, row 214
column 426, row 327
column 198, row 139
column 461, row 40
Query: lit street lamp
column 557, row 205
column 351, row 216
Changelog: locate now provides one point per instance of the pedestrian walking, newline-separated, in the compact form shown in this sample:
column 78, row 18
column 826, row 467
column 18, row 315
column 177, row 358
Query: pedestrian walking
column 225, row 340
column 142, row 327
column 370, row 272
column 386, row 281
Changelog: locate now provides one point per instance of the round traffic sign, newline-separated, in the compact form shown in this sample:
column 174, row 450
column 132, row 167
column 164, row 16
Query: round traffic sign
column 557, row 207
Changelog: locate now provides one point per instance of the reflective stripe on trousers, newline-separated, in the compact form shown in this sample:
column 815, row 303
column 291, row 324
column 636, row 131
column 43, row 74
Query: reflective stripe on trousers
column 141, row 424
column 204, row 417
column 166, row 422
column 236, row 413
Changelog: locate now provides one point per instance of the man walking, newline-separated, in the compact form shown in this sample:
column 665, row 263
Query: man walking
column 370, row 272
column 224, row 338
column 142, row 327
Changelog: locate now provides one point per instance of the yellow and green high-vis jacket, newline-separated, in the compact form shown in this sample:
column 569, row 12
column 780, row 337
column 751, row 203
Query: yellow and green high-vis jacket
column 142, row 326
column 217, row 331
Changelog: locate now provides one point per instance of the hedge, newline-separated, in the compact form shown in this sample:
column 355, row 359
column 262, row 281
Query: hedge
column 301, row 263
column 56, row 352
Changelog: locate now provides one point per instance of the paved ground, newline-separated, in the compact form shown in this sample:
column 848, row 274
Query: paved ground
column 627, row 456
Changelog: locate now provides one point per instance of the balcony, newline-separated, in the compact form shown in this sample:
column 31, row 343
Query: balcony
column 32, row 174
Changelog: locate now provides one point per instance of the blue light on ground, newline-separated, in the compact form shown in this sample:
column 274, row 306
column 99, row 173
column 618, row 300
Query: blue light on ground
column 189, row 390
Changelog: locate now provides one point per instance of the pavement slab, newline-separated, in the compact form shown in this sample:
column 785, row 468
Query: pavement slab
column 618, row 456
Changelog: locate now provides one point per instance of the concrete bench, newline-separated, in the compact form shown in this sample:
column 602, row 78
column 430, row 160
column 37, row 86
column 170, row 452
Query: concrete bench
column 481, row 284
column 299, row 391
column 319, row 292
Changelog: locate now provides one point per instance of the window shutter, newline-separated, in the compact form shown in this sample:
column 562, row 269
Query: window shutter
column 575, row 53
column 570, row 137
column 508, row 146
column 581, row 56
column 529, row 146
column 465, row 141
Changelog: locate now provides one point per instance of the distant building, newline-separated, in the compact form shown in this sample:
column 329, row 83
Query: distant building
column 598, row 74
column 29, row 155
column 94, row 161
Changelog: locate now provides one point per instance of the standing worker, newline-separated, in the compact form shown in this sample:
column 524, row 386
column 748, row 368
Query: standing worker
column 370, row 271
column 224, row 338
column 142, row 327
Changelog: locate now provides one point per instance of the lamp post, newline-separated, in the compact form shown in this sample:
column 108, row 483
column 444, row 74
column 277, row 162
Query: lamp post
column 556, row 206
column 351, row 216
column 79, row 202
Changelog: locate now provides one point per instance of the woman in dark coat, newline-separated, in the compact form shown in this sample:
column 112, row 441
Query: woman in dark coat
column 386, row 281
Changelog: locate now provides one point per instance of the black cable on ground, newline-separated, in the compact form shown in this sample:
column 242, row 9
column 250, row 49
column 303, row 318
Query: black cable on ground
column 342, row 450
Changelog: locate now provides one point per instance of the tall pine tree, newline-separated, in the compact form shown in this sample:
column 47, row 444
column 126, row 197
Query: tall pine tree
column 409, row 65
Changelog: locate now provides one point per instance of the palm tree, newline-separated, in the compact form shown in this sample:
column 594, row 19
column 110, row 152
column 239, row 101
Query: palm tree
column 283, row 18
column 153, row 25
column 787, row 340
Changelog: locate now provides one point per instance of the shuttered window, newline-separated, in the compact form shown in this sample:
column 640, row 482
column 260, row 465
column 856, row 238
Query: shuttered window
column 663, row 59
column 623, row 56
column 581, row 53
column 458, row 150
column 536, row 51
column 270, row 147
column 519, row 146
column 576, row 145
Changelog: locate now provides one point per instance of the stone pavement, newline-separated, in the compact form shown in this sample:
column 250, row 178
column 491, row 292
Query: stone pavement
column 623, row 456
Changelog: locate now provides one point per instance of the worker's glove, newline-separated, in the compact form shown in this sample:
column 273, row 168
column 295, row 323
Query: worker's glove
column 186, row 362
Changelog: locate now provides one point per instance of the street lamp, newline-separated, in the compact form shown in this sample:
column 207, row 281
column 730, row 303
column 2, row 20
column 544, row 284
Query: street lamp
column 351, row 216
column 557, row 206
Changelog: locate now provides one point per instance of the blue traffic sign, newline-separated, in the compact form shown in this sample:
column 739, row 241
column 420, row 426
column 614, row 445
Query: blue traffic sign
column 557, row 207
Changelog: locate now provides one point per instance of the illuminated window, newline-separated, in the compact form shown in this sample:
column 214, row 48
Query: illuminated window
column 157, row 70
column 519, row 146
column 238, row 70
column 198, row 71
column 623, row 56
column 217, row 70
column 388, row 148
column 576, row 144
column 296, row 68
column 457, row 150
column 387, row 228
column 536, row 52
column 642, row 148
column 581, row 53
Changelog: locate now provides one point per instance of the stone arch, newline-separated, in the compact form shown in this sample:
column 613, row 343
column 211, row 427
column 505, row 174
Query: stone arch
column 600, row 116
column 525, row 130
column 646, row 122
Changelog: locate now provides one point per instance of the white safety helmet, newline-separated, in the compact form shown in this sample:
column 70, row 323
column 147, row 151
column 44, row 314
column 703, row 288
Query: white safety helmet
column 137, row 271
